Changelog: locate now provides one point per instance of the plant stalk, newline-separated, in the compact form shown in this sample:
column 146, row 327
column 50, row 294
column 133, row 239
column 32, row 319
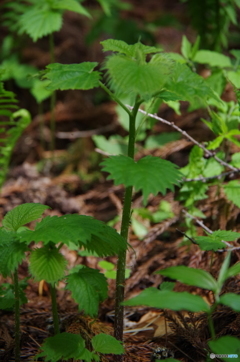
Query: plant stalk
column 121, row 264
column 17, row 316
column 54, row 309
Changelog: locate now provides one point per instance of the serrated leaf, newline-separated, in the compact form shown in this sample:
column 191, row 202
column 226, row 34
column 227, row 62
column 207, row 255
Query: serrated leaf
column 104, row 343
column 70, row 5
column 188, row 84
column 40, row 21
column 22, row 215
column 165, row 299
column 225, row 235
column 150, row 174
column 207, row 243
column 191, row 276
column 127, row 76
column 11, row 252
column 63, row 345
column 226, row 344
column 83, row 231
column 233, row 270
column 47, row 264
column 212, row 58
column 130, row 50
column 72, row 76
column 89, row 288
column 7, row 299
column 232, row 191
column 231, row 300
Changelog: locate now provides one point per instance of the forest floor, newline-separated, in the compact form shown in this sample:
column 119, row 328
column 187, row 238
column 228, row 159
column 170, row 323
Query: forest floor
column 72, row 183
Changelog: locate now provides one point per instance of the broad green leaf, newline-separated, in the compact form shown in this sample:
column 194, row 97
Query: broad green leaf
column 47, row 264
column 208, row 243
column 128, row 76
column 186, row 48
column 83, row 231
column 70, row 5
column 104, row 343
column 150, row 174
column 236, row 159
column 106, row 265
column 215, row 240
column 225, row 235
column 226, row 345
column 190, row 276
column 231, row 300
column 187, row 84
column 39, row 90
column 232, row 191
column 63, row 346
column 234, row 78
column 72, row 76
column 89, row 288
column 212, row 58
column 11, row 252
column 165, row 299
column 23, row 214
column 234, row 270
column 40, row 21
column 130, row 50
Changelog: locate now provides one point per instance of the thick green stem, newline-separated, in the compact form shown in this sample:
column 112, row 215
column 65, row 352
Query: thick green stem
column 17, row 317
column 54, row 309
column 120, row 280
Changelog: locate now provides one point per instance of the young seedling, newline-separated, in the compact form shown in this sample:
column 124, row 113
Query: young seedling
column 88, row 286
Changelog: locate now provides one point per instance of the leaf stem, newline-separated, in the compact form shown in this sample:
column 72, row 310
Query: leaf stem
column 17, row 316
column 116, row 99
column 121, row 264
column 54, row 309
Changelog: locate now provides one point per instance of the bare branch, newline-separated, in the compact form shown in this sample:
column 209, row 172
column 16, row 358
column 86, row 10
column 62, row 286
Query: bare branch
column 185, row 134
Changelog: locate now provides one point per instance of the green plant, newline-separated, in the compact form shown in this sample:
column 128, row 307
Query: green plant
column 168, row 299
column 146, row 75
column 12, row 126
column 88, row 286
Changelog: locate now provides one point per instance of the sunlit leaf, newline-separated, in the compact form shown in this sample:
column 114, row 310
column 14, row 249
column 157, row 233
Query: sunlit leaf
column 232, row 191
column 47, row 264
column 22, row 215
column 72, row 76
column 214, row 59
column 40, row 21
